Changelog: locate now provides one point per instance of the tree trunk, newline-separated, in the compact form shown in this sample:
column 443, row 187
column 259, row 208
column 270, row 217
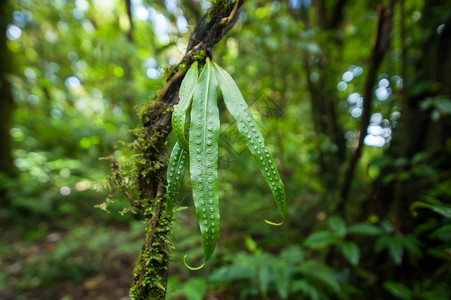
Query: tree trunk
column 418, row 134
column 323, row 99
column 380, row 47
column 6, row 97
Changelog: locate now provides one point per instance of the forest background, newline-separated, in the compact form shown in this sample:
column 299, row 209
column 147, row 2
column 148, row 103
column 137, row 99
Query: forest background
column 353, row 98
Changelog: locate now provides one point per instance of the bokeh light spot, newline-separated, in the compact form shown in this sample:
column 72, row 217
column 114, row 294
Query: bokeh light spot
column 13, row 32
column 65, row 190
column 347, row 76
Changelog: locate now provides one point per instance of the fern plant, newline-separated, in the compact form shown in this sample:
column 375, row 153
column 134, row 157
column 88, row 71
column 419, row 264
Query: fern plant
column 198, row 147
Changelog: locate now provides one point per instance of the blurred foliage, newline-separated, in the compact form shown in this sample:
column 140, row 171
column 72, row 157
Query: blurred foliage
column 81, row 74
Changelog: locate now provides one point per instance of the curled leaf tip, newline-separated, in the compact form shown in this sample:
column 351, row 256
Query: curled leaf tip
column 273, row 224
column 192, row 268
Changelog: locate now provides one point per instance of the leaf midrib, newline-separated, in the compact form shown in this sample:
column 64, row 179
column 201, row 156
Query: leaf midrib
column 204, row 153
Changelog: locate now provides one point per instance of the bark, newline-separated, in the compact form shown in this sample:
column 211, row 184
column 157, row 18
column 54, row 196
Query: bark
column 323, row 96
column 382, row 39
column 151, row 271
column 337, row 13
column 128, row 6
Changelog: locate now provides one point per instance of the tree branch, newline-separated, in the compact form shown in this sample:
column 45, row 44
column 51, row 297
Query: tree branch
column 337, row 14
column 380, row 46
column 128, row 5
column 320, row 14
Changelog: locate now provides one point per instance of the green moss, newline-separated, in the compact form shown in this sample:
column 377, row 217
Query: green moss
column 199, row 56
column 169, row 71
column 218, row 6
column 146, row 167
column 149, row 279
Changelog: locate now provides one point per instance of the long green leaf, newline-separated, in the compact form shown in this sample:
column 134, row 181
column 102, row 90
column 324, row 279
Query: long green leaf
column 247, row 126
column 178, row 163
column 179, row 114
column 203, row 151
column 351, row 252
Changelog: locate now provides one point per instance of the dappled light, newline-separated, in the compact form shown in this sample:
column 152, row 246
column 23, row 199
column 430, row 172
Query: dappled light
column 13, row 32
column 347, row 76
column 383, row 91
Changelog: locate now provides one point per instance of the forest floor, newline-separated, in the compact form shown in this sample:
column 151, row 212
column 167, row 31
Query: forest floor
column 71, row 264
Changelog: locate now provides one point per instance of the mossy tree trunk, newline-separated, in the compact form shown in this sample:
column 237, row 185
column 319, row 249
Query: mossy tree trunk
column 151, row 270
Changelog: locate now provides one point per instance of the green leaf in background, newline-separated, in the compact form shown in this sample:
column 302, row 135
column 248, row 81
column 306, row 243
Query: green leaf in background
column 365, row 229
column 194, row 289
column 320, row 239
column 443, row 233
column 315, row 270
column 248, row 128
column 393, row 244
column 411, row 243
column 443, row 105
column 337, row 225
column 251, row 245
column 186, row 94
column 264, row 277
column 387, row 226
column 306, row 288
column 282, row 278
column 292, row 255
column 351, row 252
column 398, row 290
column 203, row 152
